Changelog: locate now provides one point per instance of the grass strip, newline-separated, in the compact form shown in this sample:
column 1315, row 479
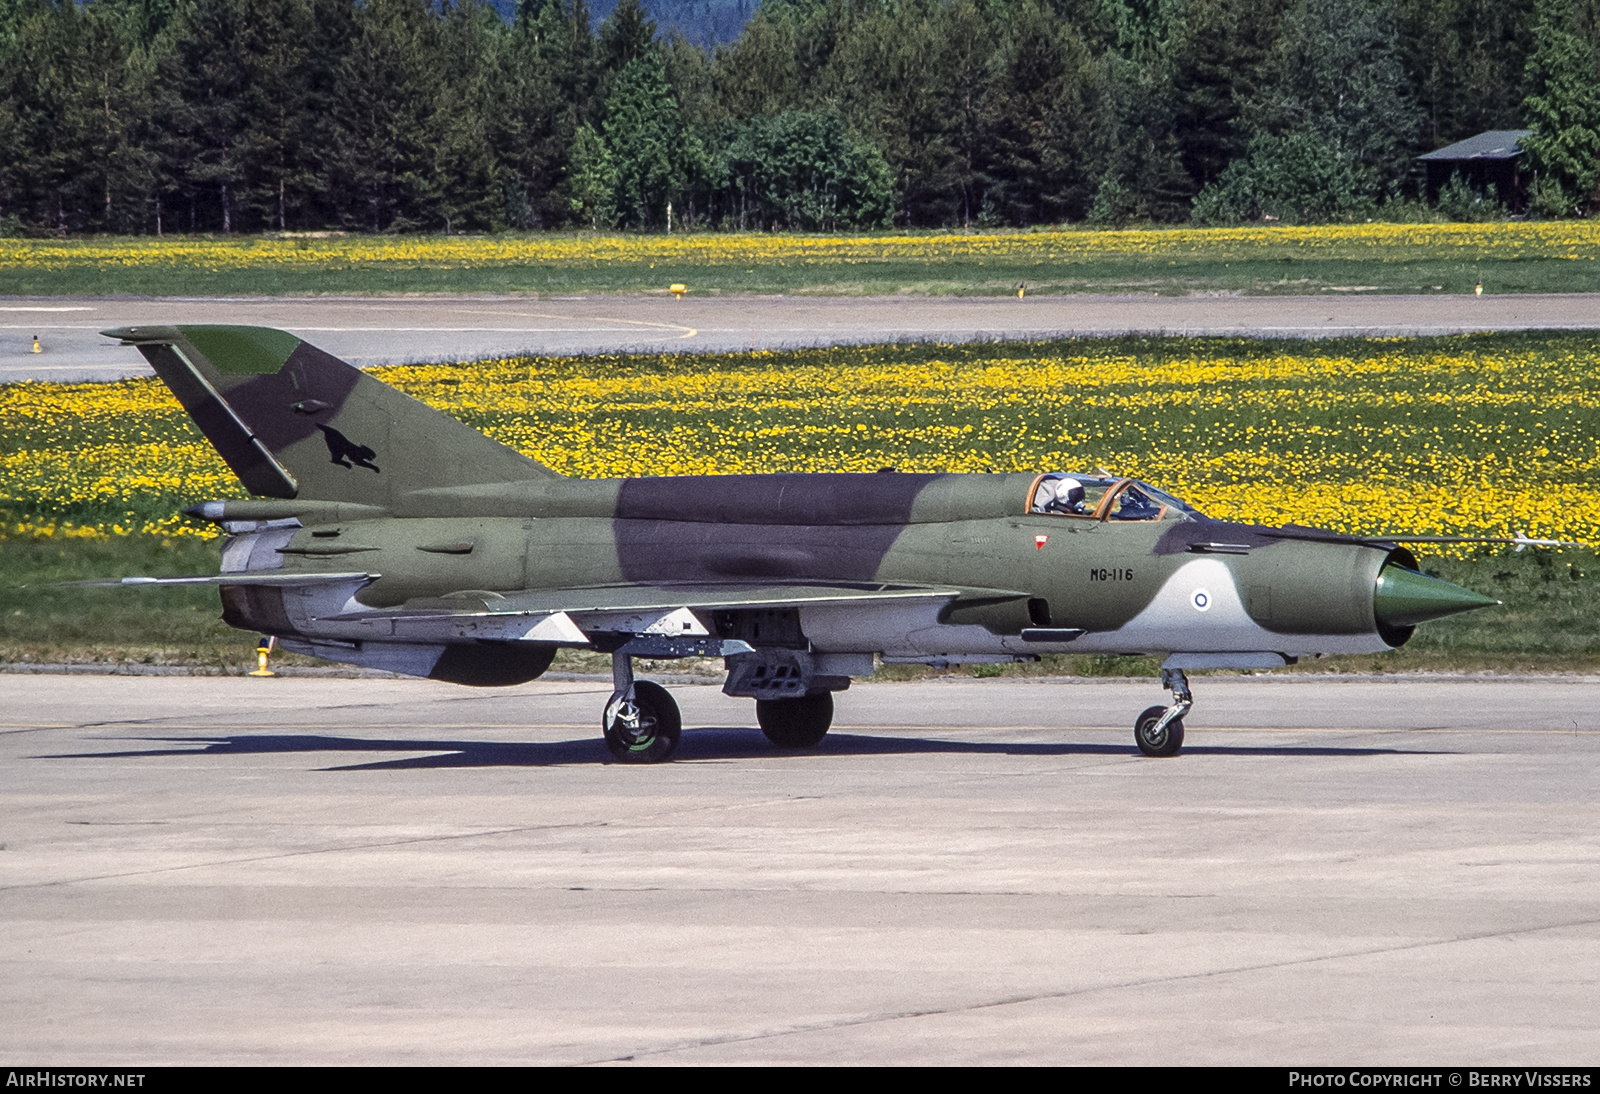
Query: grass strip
column 1473, row 434
column 1520, row 257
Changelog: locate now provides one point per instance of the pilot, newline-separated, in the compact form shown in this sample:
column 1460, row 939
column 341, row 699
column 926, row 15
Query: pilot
column 1068, row 499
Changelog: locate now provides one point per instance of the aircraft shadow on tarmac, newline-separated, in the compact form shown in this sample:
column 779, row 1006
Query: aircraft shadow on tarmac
column 721, row 743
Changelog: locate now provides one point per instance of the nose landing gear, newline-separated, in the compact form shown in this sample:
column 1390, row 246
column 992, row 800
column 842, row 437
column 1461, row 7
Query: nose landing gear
column 642, row 724
column 1159, row 730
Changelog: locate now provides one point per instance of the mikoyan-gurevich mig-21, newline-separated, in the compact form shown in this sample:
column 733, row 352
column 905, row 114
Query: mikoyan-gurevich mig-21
column 384, row 533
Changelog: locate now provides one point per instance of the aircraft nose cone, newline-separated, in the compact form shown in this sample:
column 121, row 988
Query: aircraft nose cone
column 1405, row 598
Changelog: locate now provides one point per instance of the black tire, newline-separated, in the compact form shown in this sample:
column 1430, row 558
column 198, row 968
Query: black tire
column 660, row 726
column 1170, row 740
column 796, row 723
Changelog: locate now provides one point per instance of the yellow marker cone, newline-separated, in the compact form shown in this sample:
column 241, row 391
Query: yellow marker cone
column 263, row 651
column 677, row 291
column 36, row 347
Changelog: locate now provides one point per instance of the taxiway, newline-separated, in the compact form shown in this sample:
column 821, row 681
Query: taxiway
column 381, row 330
column 1337, row 870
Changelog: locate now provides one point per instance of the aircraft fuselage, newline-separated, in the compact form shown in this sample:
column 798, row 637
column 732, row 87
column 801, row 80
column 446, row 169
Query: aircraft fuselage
column 1018, row 579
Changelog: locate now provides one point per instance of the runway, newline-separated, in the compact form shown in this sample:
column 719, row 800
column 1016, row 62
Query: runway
column 1337, row 871
column 378, row 330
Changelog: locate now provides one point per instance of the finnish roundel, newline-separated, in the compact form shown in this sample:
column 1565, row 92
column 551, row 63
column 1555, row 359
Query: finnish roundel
column 1201, row 600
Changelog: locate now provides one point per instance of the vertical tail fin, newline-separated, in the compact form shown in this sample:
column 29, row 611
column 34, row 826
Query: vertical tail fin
column 295, row 422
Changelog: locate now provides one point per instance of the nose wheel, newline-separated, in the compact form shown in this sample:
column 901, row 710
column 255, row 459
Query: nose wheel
column 642, row 724
column 1159, row 730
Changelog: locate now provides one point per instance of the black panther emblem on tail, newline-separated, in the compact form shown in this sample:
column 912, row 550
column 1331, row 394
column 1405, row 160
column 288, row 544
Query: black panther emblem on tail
column 345, row 452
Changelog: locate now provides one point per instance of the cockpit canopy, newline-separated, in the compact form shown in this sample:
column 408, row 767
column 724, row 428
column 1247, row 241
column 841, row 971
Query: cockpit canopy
column 1103, row 498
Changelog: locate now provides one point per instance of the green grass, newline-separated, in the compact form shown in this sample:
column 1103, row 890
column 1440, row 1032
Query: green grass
column 1255, row 277
column 39, row 623
column 1178, row 261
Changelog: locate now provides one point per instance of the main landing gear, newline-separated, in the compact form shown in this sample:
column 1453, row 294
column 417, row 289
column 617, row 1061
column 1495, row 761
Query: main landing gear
column 1159, row 730
column 796, row 723
column 642, row 723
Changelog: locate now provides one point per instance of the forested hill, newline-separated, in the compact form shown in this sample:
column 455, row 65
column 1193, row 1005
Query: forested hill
column 399, row 115
column 703, row 22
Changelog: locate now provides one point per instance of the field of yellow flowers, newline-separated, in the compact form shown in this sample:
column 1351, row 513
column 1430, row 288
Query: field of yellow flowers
column 1521, row 256
column 1570, row 239
column 1476, row 434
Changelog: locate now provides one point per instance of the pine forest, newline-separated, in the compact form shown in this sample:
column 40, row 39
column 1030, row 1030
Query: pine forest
column 243, row 116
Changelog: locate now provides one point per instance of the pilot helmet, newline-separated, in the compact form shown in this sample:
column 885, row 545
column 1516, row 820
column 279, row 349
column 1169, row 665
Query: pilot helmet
column 1069, row 492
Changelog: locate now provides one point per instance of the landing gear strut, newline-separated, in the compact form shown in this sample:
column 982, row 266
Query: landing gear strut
column 1159, row 730
column 641, row 723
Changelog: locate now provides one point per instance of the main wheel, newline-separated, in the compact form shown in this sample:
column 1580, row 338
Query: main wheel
column 648, row 732
column 796, row 723
column 1151, row 743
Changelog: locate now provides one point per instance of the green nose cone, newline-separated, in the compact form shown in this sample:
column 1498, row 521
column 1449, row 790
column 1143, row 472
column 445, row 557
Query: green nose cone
column 1405, row 598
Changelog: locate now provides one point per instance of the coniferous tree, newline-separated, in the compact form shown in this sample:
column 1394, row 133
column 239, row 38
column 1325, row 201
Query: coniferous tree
column 38, row 174
column 1220, row 56
column 653, row 157
column 388, row 88
column 112, row 105
column 1138, row 162
column 145, row 22
column 1563, row 107
column 1466, row 61
column 285, row 93
column 626, row 35
column 692, row 76
column 1037, row 110
column 1338, row 131
column 545, row 79
column 1339, row 78
column 886, row 77
column 963, row 67
column 761, row 72
column 592, row 181
column 471, row 189
column 205, row 122
column 73, row 118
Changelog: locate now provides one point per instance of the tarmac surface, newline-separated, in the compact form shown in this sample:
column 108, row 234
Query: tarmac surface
column 1337, row 871
column 379, row 330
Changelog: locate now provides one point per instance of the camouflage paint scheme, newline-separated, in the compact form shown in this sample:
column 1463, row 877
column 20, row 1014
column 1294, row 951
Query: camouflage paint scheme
column 386, row 533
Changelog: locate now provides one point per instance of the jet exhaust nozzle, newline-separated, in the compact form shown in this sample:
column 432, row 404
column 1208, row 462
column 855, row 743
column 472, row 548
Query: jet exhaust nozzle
column 1405, row 597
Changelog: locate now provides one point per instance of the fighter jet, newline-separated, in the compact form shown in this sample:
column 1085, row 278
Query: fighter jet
column 386, row 534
